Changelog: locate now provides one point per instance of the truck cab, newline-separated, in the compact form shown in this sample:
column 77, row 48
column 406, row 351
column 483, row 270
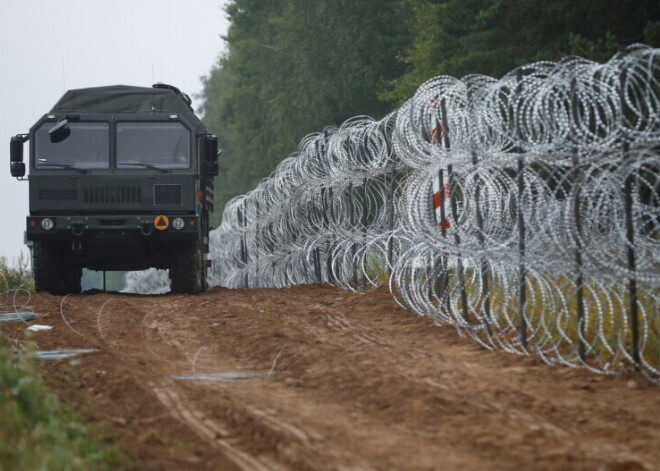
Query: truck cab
column 120, row 178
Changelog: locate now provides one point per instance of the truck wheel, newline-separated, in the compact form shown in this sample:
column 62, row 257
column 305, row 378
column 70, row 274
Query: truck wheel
column 187, row 270
column 51, row 272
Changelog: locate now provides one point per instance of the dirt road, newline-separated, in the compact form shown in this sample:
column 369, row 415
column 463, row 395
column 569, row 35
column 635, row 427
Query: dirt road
column 346, row 382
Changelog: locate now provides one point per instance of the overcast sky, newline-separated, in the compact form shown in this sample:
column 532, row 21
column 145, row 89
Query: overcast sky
column 49, row 46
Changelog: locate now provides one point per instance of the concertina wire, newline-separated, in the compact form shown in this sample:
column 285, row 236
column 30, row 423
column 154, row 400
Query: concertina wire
column 522, row 211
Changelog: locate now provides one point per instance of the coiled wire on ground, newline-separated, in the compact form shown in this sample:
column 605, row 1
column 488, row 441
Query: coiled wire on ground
column 522, row 211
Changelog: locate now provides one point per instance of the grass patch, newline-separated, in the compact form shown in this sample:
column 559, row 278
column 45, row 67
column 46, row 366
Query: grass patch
column 552, row 313
column 377, row 270
column 16, row 277
column 37, row 432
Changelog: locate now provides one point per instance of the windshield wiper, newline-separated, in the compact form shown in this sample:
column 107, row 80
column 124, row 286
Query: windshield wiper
column 66, row 166
column 143, row 165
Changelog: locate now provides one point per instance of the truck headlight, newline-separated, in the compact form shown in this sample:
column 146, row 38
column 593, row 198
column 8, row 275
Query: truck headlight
column 47, row 224
column 178, row 223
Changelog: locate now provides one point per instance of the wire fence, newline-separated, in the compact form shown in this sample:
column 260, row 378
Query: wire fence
column 522, row 211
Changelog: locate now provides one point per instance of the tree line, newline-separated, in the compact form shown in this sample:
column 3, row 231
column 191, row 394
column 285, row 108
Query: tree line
column 292, row 67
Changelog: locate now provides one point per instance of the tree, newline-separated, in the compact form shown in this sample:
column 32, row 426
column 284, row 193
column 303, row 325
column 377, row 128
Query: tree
column 294, row 67
column 491, row 37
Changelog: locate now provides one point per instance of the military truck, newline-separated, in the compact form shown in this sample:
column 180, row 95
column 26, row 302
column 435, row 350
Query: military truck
column 120, row 178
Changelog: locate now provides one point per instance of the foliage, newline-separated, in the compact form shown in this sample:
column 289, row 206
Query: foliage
column 491, row 37
column 293, row 67
column 36, row 431
column 20, row 276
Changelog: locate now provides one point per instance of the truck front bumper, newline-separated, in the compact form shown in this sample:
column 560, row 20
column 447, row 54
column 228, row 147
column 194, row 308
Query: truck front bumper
column 67, row 227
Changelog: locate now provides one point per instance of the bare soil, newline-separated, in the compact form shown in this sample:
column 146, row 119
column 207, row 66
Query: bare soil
column 349, row 382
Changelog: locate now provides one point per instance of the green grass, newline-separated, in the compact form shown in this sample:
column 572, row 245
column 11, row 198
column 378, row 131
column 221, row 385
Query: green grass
column 377, row 270
column 16, row 277
column 37, row 432
column 551, row 310
column 552, row 315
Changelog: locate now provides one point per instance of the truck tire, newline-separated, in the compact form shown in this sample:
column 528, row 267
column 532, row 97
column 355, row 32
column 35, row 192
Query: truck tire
column 187, row 271
column 52, row 273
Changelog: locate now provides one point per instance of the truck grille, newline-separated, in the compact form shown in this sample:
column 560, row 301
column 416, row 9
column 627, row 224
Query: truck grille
column 112, row 194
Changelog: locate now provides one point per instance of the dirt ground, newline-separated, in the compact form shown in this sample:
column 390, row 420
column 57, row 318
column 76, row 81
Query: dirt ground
column 348, row 382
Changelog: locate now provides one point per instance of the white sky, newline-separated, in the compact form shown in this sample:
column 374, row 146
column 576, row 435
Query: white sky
column 49, row 46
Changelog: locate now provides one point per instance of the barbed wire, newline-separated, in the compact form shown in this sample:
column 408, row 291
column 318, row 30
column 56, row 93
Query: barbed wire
column 523, row 211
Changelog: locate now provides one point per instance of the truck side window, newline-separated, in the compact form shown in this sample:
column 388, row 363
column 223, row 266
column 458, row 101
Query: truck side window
column 162, row 145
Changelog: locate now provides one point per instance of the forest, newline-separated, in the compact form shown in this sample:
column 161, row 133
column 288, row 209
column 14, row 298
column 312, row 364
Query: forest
column 292, row 67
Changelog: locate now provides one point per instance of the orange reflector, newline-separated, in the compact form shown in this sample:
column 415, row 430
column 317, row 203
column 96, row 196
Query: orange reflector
column 200, row 195
column 192, row 222
column 161, row 222
column 33, row 223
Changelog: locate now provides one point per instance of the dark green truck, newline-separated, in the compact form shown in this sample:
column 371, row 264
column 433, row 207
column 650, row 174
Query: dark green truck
column 121, row 178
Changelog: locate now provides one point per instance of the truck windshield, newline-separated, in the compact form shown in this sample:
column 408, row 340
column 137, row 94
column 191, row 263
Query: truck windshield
column 86, row 147
column 152, row 145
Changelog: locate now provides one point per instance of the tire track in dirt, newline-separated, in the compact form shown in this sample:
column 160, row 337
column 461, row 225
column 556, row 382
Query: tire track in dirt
column 209, row 430
column 300, row 448
column 174, row 353
column 359, row 384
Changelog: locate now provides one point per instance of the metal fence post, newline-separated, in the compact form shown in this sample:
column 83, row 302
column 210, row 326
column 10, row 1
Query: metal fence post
column 522, row 269
column 351, row 208
column 316, row 256
column 390, row 204
column 242, row 223
column 454, row 214
column 256, row 244
column 579, row 280
column 329, row 210
column 443, row 278
column 485, row 268
column 630, row 229
column 365, row 195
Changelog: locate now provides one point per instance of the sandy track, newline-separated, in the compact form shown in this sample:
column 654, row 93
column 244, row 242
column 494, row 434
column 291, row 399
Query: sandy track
column 357, row 383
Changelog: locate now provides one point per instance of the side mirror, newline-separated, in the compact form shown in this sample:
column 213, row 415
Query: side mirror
column 60, row 131
column 211, row 148
column 211, row 155
column 17, row 167
column 211, row 169
column 16, row 147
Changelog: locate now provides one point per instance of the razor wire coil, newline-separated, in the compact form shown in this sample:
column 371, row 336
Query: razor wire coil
column 522, row 211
